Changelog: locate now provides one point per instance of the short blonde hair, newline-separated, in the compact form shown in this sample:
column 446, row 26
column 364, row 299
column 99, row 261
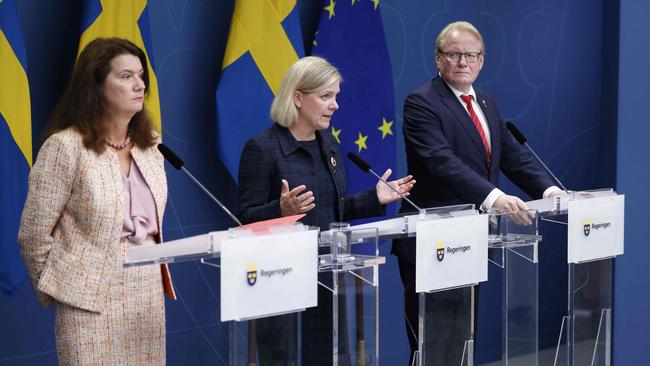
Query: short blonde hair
column 307, row 75
column 458, row 26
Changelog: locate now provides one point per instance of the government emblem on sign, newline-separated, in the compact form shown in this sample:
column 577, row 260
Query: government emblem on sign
column 440, row 251
column 251, row 274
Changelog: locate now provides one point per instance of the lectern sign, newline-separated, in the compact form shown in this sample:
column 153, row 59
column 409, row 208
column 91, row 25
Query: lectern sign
column 451, row 252
column 268, row 274
column 595, row 228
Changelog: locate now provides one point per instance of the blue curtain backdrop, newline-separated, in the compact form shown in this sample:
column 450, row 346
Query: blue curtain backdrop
column 551, row 65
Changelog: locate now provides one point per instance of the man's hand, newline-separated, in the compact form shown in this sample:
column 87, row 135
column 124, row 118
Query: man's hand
column 514, row 208
column 294, row 202
column 558, row 193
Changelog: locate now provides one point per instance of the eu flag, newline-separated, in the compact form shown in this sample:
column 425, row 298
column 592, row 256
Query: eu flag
column 128, row 19
column 264, row 41
column 15, row 145
column 351, row 37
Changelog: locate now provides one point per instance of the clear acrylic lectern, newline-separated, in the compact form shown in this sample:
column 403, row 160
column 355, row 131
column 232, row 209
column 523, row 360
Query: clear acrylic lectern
column 594, row 222
column 513, row 258
column 268, row 336
column 446, row 309
column 349, row 275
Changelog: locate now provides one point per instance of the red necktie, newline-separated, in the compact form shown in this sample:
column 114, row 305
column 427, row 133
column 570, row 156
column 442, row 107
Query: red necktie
column 468, row 101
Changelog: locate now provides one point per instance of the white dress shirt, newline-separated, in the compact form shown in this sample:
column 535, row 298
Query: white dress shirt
column 488, row 202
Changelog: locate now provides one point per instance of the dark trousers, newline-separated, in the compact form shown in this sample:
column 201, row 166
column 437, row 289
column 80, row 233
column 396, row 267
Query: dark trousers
column 446, row 321
column 276, row 335
column 318, row 331
column 277, row 340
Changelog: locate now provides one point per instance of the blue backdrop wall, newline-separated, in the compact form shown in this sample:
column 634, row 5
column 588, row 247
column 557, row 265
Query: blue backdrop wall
column 552, row 65
column 632, row 283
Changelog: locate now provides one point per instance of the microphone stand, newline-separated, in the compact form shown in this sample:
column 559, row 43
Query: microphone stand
column 233, row 217
column 545, row 167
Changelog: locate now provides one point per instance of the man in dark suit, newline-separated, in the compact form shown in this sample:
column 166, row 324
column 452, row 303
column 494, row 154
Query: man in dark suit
column 456, row 145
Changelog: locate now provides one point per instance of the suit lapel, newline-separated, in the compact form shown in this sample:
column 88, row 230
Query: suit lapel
column 450, row 100
column 334, row 167
column 146, row 162
column 493, row 120
column 145, row 165
column 490, row 115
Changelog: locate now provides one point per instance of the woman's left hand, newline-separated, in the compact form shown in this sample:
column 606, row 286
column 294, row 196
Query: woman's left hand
column 387, row 195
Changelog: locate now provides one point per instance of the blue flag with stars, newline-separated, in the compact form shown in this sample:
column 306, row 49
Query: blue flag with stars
column 351, row 37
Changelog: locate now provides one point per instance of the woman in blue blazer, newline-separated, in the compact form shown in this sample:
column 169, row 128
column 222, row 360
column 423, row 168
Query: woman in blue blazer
column 296, row 167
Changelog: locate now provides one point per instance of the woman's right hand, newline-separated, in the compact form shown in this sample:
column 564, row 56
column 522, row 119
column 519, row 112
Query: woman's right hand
column 294, row 202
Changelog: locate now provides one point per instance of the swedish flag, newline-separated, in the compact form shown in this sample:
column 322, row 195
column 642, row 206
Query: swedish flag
column 264, row 41
column 351, row 36
column 127, row 19
column 15, row 144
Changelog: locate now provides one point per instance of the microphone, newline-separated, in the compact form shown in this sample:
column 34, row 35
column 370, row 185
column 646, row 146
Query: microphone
column 171, row 157
column 178, row 163
column 363, row 165
column 522, row 140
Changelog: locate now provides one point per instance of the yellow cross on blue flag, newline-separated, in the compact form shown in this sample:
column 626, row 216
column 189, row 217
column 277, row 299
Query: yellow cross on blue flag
column 128, row 19
column 15, row 145
column 351, row 36
column 264, row 41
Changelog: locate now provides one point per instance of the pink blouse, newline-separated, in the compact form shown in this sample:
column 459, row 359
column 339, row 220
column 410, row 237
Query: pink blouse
column 139, row 207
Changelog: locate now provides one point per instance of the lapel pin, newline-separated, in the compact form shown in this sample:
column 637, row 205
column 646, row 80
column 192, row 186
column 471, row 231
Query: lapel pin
column 484, row 104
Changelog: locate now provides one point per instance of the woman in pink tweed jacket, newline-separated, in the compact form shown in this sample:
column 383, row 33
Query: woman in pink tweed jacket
column 98, row 187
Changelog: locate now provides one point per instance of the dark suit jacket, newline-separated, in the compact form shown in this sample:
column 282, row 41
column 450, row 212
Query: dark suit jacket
column 273, row 155
column 445, row 154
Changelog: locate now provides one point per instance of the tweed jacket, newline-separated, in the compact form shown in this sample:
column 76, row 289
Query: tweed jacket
column 273, row 155
column 72, row 221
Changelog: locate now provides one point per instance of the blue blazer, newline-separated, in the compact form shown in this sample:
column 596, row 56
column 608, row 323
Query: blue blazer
column 445, row 154
column 273, row 155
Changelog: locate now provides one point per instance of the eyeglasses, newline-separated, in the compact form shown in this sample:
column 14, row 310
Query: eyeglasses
column 471, row 57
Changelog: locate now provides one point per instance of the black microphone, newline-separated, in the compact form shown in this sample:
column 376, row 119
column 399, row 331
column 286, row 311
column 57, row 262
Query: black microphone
column 522, row 140
column 171, row 157
column 516, row 133
column 363, row 165
column 178, row 163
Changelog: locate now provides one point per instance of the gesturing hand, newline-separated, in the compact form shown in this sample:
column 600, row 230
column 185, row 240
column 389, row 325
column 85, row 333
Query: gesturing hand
column 387, row 195
column 292, row 202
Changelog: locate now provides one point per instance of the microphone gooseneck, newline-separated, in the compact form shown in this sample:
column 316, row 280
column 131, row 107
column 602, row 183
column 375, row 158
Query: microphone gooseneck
column 522, row 140
column 178, row 163
column 365, row 166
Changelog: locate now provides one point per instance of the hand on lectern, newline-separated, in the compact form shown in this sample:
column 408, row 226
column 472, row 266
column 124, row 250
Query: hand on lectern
column 294, row 202
column 559, row 193
column 515, row 208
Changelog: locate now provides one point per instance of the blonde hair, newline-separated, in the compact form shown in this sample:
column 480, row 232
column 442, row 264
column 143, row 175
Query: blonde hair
column 307, row 75
column 458, row 26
